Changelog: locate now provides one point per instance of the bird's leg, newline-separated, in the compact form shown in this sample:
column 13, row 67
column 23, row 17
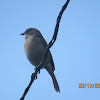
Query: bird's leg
column 39, row 71
column 36, row 68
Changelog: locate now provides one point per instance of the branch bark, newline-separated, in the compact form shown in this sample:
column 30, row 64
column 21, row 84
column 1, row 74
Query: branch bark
column 47, row 49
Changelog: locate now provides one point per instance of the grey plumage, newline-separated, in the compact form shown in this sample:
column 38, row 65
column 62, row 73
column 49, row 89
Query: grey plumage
column 34, row 47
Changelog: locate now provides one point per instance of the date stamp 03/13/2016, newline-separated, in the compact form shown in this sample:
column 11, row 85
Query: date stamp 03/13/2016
column 89, row 85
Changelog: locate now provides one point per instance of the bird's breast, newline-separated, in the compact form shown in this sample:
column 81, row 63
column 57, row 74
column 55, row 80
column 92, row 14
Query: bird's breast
column 33, row 50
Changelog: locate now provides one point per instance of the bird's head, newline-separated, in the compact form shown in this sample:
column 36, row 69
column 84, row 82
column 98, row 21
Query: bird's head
column 29, row 32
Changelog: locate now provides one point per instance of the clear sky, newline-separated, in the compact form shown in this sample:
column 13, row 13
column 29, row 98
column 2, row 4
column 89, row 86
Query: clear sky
column 76, row 52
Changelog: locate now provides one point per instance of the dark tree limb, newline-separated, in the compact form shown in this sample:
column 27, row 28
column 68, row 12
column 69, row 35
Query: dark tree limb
column 47, row 49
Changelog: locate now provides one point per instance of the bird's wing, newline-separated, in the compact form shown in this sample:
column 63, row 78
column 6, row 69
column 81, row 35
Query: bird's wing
column 44, row 45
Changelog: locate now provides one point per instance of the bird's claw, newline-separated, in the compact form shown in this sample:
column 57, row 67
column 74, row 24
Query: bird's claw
column 36, row 68
column 38, row 72
column 33, row 76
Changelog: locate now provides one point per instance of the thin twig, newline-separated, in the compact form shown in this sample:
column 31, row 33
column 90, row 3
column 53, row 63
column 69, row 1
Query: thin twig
column 47, row 49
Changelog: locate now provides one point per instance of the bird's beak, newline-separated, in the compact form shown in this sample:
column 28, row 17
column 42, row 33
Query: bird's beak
column 22, row 33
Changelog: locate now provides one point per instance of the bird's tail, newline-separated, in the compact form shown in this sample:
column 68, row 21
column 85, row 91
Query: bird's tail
column 50, row 70
column 55, row 83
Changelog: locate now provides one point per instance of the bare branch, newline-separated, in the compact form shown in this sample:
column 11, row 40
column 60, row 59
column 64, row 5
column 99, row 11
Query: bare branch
column 47, row 49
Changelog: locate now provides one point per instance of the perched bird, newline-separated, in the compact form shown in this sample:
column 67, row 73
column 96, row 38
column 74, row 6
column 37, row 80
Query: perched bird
column 34, row 47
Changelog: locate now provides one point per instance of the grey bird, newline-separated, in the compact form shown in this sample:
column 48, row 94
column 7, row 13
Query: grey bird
column 34, row 47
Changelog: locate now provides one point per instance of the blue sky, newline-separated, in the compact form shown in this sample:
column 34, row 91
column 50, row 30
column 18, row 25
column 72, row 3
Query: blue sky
column 76, row 52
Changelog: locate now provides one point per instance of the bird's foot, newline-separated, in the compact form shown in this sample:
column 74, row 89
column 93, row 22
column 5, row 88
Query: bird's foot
column 33, row 76
column 36, row 68
column 37, row 73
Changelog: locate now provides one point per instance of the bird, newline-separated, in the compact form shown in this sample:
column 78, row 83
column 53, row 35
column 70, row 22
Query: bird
column 34, row 48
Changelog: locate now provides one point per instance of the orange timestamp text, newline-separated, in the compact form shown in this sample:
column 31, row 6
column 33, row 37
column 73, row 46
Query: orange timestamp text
column 89, row 85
